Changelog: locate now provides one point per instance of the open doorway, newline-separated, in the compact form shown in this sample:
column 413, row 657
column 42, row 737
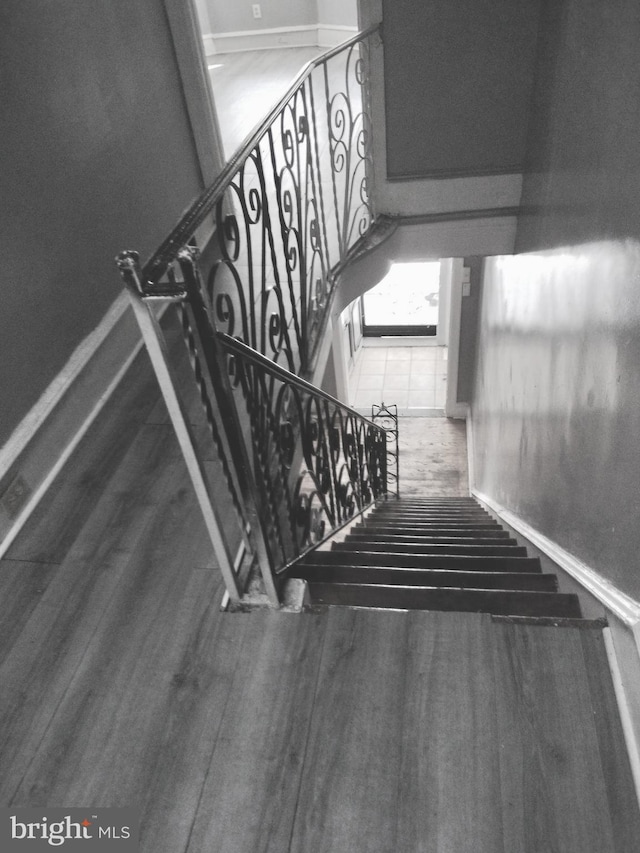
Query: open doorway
column 401, row 356
column 253, row 53
column 405, row 303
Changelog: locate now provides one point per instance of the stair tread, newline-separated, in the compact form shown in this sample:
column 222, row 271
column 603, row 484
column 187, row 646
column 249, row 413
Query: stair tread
column 458, row 579
column 434, row 554
column 431, row 548
column 496, row 601
column 430, row 531
column 404, row 560
column 392, row 538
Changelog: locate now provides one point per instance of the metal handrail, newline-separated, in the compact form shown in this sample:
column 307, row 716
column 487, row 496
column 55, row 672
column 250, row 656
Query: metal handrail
column 317, row 462
column 282, row 219
column 237, row 346
column 195, row 214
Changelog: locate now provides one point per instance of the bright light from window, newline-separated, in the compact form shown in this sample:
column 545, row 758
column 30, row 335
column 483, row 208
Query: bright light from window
column 407, row 296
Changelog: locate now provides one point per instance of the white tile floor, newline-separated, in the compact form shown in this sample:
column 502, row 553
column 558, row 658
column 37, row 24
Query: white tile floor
column 412, row 377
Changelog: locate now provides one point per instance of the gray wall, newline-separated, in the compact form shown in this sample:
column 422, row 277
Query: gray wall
column 342, row 13
column 556, row 407
column 225, row 17
column 231, row 17
column 97, row 155
column 458, row 79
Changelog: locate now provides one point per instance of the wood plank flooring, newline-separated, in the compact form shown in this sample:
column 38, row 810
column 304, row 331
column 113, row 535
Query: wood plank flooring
column 433, row 457
column 122, row 684
column 248, row 83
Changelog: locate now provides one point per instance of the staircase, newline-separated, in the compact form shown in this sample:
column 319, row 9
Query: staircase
column 443, row 554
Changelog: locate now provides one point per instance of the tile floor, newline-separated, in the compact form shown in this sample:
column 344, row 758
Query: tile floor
column 412, row 377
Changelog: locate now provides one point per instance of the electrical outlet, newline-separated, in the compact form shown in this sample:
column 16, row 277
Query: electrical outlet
column 15, row 497
column 257, row 11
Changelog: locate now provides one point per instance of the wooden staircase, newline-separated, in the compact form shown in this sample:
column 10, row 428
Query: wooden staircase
column 443, row 554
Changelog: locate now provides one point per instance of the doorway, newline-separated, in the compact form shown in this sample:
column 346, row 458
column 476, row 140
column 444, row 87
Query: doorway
column 405, row 303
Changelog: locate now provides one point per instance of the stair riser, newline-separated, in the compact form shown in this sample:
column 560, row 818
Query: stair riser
column 422, row 561
column 427, row 577
column 434, row 531
column 434, row 525
column 436, row 550
column 428, row 516
column 390, row 539
column 497, row 602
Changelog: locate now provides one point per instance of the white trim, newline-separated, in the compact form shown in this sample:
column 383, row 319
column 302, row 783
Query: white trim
column 196, row 87
column 471, row 452
column 626, row 717
column 267, row 39
column 452, row 408
column 209, row 44
column 66, row 453
column 621, row 605
column 35, row 418
column 310, row 35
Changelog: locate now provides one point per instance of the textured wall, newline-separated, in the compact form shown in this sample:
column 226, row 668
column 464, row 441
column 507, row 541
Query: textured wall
column 97, row 156
column 458, row 78
column 557, row 399
column 343, row 13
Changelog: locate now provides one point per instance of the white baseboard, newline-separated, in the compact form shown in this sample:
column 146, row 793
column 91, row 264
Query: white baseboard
column 44, row 440
column 625, row 608
column 629, row 726
column 314, row 35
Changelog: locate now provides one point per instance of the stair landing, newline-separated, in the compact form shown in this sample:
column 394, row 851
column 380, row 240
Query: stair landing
column 385, row 731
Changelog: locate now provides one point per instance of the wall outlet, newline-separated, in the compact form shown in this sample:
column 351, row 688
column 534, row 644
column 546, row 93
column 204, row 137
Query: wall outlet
column 15, row 497
column 257, row 11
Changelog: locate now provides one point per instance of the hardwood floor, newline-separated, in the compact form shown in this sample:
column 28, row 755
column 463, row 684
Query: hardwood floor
column 248, row 83
column 122, row 684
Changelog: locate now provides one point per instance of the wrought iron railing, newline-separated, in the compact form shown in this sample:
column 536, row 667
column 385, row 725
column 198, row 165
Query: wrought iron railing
column 284, row 213
column 386, row 416
column 250, row 268
column 317, row 462
column 298, row 463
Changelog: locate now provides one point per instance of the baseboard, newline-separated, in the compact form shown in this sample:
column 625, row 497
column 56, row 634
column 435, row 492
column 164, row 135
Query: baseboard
column 625, row 608
column 314, row 35
column 620, row 680
column 41, row 444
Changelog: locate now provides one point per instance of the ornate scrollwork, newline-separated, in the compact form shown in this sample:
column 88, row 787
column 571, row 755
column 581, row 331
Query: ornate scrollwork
column 319, row 462
column 271, row 232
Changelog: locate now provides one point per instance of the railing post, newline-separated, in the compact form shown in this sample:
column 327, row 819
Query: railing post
column 387, row 418
column 154, row 341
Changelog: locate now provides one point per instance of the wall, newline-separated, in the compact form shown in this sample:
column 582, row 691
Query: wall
column 342, row 13
column 226, row 17
column 496, row 195
column 557, row 399
column 458, row 77
column 97, row 156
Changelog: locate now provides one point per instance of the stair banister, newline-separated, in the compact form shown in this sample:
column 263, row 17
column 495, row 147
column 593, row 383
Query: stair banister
column 254, row 257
